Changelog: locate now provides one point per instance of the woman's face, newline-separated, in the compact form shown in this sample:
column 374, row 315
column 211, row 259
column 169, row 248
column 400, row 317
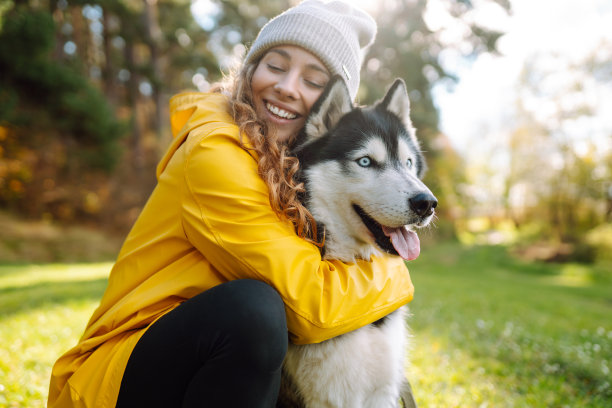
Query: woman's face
column 286, row 83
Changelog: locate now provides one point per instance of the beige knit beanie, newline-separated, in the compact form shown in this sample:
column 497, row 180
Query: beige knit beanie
column 336, row 32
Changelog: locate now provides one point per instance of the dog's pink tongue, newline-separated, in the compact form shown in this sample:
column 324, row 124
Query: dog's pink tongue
column 405, row 242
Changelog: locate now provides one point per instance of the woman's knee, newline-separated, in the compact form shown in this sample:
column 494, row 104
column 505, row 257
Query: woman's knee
column 262, row 303
column 265, row 323
column 259, row 324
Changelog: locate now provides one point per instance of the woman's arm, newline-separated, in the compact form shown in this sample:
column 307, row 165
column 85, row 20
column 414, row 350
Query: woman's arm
column 227, row 216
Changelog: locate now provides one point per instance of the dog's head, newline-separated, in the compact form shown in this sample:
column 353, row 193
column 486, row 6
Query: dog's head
column 362, row 170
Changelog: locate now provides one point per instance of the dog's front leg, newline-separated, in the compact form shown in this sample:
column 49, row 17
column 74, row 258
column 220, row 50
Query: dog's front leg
column 406, row 395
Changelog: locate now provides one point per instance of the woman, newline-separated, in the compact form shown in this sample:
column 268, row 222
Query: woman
column 219, row 272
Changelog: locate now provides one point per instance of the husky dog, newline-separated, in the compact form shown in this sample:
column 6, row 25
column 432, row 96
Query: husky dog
column 361, row 168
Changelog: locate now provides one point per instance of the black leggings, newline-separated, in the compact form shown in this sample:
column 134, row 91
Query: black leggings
column 222, row 348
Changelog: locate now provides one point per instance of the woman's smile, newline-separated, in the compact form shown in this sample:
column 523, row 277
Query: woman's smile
column 280, row 112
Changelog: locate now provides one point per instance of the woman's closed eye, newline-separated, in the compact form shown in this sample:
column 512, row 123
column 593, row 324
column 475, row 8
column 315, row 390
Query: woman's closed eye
column 275, row 68
column 315, row 79
column 315, row 84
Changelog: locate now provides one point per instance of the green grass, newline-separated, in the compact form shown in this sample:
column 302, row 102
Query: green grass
column 43, row 311
column 489, row 330
column 492, row 331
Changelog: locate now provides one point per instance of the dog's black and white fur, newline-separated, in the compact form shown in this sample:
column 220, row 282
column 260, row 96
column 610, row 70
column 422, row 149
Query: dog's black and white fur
column 361, row 168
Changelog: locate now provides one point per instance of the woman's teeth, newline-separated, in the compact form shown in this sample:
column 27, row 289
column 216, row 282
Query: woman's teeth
column 280, row 112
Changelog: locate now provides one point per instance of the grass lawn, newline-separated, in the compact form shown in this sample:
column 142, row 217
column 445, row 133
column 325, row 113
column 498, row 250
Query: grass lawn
column 492, row 331
column 489, row 330
column 43, row 311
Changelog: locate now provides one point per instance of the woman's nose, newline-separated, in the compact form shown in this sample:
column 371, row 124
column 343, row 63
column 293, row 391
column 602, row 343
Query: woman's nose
column 287, row 86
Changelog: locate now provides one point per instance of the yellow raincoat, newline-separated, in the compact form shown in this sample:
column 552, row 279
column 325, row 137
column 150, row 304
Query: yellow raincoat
column 209, row 221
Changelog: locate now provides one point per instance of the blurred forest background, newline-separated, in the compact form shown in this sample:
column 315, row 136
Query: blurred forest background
column 84, row 88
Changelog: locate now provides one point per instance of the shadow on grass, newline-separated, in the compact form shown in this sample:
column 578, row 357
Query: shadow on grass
column 21, row 299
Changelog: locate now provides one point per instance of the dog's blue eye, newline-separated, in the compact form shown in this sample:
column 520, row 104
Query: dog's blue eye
column 409, row 163
column 364, row 161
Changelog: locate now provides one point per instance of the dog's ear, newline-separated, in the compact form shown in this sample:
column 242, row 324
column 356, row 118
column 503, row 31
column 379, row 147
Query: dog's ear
column 334, row 102
column 396, row 101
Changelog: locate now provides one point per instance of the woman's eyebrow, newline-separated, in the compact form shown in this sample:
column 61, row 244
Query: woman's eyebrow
column 282, row 53
column 319, row 68
column 286, row 55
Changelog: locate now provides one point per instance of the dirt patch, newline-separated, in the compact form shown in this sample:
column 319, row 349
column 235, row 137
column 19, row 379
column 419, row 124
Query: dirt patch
column 27, row 241
column 555, row 252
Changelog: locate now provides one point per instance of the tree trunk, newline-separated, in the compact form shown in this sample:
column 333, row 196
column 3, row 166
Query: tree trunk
column 132, row 96
column 153, row 39
column 80, row 35
column 108, row 72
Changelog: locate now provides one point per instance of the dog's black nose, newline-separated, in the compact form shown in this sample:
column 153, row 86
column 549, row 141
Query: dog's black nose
column 423, row 204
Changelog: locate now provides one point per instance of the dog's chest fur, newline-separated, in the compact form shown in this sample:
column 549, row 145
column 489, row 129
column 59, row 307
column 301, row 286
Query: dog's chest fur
column 363, row 368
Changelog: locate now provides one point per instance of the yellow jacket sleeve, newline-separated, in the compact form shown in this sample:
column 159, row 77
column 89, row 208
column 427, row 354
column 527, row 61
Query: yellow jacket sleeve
column 228, row 218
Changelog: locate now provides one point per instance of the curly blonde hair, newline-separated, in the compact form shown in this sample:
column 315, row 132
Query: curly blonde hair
column 277, row 167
